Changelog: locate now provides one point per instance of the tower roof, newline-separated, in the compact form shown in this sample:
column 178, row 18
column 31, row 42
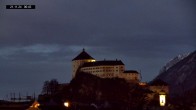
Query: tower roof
column 82, row 56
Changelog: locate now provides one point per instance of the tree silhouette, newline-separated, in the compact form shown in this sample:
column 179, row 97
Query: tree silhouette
column 50, row 87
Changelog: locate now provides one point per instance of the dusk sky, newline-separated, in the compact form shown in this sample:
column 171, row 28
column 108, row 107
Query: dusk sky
column 38, row 44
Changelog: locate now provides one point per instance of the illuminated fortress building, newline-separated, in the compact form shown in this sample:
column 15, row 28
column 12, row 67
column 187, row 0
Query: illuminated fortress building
column 103, row 69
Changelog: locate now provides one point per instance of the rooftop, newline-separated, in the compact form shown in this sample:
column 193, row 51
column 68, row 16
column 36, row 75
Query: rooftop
column 83, row 56
column 158, row 82
column 131, row 71
column 103, row 63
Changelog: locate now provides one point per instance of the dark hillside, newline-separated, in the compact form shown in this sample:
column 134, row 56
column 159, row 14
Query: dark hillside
column 182, row 76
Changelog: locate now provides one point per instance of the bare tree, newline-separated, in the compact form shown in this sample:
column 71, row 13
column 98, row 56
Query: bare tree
column 50, row 87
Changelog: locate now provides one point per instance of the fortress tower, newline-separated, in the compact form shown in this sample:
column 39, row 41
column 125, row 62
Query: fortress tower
column 79, row 60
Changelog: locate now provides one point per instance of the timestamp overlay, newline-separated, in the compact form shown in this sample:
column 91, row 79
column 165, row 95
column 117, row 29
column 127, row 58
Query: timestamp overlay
column 20, row 6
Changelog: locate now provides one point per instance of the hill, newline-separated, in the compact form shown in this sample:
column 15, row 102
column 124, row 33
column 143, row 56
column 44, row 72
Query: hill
column 181, row 75
column 106, row 92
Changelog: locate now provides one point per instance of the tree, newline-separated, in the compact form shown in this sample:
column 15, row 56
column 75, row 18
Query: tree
column 50, row 87
column 137, row 97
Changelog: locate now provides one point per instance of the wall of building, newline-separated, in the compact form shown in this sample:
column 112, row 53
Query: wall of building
column 103, row 69
column 111, row 71
column 158, row 89
column 130, row 76
column 78, row 63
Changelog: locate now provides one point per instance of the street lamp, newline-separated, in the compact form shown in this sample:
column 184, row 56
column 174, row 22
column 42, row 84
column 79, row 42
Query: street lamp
column 162, row 98
column 66, row 104
column 34, row 106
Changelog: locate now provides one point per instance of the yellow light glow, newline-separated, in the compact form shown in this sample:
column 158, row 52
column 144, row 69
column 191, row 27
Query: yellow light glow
column 142, row 84
column 92, row 60
column 37, row 105
column 66, row 104
column 34, row 106
column 162, row 99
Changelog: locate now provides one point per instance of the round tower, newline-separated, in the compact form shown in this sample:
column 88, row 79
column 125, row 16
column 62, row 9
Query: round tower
column 79, row 60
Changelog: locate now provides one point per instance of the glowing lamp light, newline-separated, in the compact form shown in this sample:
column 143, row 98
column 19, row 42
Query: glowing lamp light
column 37, row 105
column 162, row 98
column 34, row 106
column 92, row 60
column 66, row 104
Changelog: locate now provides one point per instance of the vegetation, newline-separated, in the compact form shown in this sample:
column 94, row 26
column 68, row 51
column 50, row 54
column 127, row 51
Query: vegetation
column 50, row 87
column 86, row 89
column 107, row 94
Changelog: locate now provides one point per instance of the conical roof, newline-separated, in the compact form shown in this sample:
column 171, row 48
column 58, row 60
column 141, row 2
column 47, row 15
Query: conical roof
column 82, row 56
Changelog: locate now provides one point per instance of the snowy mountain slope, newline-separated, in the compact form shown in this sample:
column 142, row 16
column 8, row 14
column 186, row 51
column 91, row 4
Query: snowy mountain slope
column 180, row 73
column 173, row 61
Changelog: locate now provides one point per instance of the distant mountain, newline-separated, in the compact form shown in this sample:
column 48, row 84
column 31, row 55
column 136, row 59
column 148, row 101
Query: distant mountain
column 180, row 73
column 173, row 61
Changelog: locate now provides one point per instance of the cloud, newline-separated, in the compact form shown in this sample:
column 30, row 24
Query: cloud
column 40, row 44
column 88, row 21
column 41, row 48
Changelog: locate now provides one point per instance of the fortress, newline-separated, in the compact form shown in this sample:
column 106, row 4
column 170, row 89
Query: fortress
column 103, row 69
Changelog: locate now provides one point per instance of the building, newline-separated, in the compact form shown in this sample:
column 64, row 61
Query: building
column 103, row 69
column 157, row 87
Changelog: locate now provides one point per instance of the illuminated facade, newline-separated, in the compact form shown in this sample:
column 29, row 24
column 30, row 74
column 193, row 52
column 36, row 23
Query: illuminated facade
column 158, row 87
column 103, row 69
